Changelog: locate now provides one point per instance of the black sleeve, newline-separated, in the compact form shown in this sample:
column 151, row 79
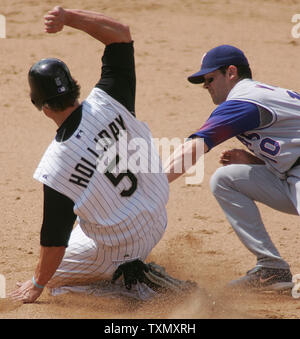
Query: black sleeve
column 58, row 219
column 118, row 74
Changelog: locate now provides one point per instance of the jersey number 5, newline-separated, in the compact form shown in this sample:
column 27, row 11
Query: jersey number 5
column 115, row 179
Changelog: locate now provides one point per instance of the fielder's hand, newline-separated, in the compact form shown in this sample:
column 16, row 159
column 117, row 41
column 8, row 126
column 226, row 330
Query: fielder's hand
column 238, row 156
column 55, row 20
column 132, row 271
column 27, row 292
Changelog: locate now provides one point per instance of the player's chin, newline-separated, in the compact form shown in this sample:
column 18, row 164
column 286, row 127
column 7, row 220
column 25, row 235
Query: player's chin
column 213, row 98
column 216, row 100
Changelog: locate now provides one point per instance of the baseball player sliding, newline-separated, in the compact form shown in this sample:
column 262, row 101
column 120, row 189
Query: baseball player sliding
column 121, row 214
column 266, row 120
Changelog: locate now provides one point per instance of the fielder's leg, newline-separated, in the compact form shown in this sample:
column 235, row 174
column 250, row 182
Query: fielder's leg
column 236, row 187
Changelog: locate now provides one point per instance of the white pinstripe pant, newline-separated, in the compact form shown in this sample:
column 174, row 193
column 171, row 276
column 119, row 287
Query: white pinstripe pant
column 87, row 261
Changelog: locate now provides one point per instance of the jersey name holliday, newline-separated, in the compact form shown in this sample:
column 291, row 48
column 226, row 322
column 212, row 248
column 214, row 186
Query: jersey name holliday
column 84, row 170
column 85, row 165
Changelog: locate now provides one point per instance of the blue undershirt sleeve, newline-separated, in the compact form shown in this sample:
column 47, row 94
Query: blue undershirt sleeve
column 228, row 120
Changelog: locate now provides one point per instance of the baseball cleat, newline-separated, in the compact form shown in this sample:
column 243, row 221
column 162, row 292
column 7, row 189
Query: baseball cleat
column 159, row 279
column 264, row 278
column 140, row 278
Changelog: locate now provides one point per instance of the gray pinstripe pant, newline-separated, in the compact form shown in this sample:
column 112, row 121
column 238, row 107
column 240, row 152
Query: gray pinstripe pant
column 237, row 188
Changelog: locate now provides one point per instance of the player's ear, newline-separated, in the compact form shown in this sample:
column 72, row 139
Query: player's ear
column 46, row 109
column 232, row 72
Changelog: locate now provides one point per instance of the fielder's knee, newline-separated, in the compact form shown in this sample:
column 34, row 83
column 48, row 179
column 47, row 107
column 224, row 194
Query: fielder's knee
column 215, row 180
column 223, row 178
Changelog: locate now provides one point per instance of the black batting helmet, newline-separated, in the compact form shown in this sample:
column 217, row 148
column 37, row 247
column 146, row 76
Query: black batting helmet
column 48, row 79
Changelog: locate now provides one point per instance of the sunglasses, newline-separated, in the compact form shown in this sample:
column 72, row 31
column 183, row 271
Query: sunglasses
column 208, row 81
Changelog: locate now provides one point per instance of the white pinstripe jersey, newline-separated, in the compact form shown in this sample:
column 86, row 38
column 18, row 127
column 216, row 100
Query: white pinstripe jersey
column 278, row 142
column 111, row 207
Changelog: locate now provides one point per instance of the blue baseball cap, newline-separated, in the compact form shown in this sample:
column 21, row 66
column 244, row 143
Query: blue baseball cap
column 224, row 55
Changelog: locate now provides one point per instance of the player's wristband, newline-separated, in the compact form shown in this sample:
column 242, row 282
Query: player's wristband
column 36, row 284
